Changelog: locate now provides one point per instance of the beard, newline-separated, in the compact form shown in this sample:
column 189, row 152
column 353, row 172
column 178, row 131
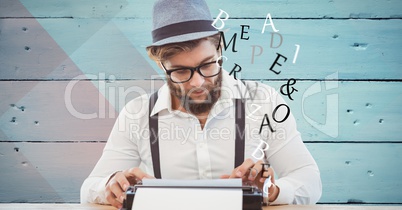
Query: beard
column 195, row 106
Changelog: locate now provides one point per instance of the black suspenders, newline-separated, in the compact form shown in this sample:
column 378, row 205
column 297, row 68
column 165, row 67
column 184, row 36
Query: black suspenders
column 240, row 118
column 154, row 139
column 153, row 136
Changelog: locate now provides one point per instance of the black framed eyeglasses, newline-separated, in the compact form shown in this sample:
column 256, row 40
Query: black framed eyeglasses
column 181, row 75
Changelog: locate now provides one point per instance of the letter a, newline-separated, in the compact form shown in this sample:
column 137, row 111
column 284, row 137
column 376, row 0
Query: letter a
column 271, row 23
column 268, row 123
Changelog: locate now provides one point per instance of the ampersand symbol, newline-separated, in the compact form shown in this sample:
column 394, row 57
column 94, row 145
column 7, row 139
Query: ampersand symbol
column 288, row 85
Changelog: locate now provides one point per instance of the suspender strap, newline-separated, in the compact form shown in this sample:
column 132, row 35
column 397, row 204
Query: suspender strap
column 240, row 118
column 240, row 124
column 153, row 136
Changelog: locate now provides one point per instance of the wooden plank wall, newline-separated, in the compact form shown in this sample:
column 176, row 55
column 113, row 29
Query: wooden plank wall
column 67, row 68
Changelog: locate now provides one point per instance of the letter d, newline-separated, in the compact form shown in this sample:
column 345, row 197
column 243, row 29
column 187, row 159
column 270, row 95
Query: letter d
column 272, row 40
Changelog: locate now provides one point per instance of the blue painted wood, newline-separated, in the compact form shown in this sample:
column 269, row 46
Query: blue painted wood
column 363, row 173
column 63, row 48
column 365, row 111
column 236, row 8
column 353, row 173
column 50, row 172
column 64, row 110
column 60, row 40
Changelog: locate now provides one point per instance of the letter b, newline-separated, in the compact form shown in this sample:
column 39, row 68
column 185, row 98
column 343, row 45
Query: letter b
column 261, row 150
column 219, row 18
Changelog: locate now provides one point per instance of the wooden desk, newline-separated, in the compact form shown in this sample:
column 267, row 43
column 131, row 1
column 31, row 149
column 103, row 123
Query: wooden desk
column 48, row 206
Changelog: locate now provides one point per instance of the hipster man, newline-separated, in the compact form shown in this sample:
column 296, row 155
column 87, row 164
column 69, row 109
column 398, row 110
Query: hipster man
column 203, row 123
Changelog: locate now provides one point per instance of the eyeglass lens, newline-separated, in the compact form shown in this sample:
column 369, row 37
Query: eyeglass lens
column 207, row 70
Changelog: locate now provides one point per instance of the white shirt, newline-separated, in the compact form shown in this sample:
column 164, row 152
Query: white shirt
column 189, row 152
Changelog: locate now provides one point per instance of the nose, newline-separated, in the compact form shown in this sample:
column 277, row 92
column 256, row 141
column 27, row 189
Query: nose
column 197, row 80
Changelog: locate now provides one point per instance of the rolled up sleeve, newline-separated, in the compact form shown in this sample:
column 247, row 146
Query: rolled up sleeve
column 299, row 177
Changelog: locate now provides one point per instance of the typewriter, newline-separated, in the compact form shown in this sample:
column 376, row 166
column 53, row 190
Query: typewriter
column 252, row 196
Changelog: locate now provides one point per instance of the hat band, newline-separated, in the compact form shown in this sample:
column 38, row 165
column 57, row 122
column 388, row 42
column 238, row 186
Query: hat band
column 181, row 28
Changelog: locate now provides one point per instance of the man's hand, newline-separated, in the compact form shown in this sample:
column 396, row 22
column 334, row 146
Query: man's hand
column 256, row 173
column 118, row 184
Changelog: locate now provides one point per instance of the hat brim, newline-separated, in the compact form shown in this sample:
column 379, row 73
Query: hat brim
column 184, row 38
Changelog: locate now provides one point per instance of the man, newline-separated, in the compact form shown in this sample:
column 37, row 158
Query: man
column 202, row 124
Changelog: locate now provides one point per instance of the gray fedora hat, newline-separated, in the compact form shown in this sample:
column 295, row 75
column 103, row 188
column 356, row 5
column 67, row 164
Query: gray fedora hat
column 181, row 20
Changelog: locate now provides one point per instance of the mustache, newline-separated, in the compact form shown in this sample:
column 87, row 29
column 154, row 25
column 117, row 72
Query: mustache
column 198, row 89
column 207, row 87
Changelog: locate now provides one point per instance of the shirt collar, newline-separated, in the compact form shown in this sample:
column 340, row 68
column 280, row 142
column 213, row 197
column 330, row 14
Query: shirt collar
column 231, row 89
column 164, row 100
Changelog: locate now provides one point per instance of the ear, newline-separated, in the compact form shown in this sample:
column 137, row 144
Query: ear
column 159, row 63
column 220, row 60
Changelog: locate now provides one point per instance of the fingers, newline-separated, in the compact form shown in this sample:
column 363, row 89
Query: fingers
column 242, row 170
column 248, row 170
column 136, row 174
column 114, row 190
column 118, row 184
column 113, row 201
column 256, row 170
column 267, row 173
column 225, row 176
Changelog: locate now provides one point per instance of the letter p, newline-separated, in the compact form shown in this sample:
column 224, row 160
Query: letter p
column 253, row 54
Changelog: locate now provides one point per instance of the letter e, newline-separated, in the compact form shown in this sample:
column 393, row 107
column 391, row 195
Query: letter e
column 276, row 62
column 244, row 32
